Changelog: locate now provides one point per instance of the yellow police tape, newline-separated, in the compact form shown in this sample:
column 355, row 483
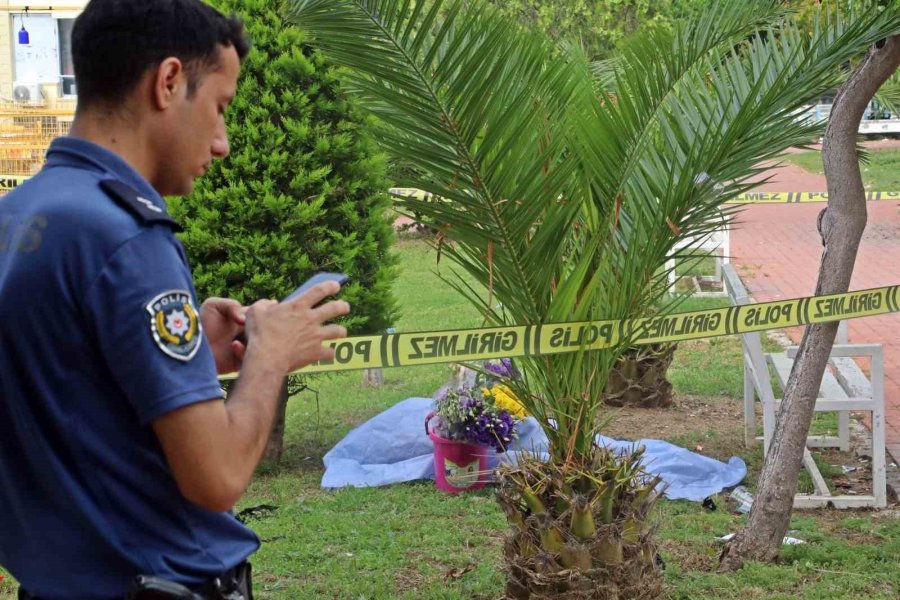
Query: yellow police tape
column 9, row 182
column 429, row 347
column 801, row 197
column 746, row 198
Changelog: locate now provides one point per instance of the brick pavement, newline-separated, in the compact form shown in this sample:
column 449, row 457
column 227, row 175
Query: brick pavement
column 776, row 249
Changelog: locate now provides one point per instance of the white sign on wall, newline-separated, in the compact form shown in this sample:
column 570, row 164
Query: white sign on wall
column 37, row 61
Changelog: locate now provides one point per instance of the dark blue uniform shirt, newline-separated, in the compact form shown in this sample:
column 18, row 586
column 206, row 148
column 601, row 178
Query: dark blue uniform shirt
column 99, row 336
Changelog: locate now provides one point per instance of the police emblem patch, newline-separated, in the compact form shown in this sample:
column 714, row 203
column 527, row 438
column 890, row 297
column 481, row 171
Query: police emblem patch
column 175, row 325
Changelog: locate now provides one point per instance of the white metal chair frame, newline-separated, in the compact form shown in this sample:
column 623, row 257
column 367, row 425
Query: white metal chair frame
column 843, row 391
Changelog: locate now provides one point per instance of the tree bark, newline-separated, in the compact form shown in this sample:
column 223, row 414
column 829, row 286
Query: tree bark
column 841, row 226
column 275, row 445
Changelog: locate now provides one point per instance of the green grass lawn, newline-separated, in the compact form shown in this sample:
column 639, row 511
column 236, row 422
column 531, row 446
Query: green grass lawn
column 411, row 541
column 700, row 264
column 881, row 174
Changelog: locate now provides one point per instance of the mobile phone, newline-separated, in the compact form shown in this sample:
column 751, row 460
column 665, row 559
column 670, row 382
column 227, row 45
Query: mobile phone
column 315, row 279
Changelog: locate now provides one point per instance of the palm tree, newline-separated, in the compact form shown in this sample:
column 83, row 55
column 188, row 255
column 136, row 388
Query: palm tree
column 889, row 95
column 640, row 377
column 566, row 190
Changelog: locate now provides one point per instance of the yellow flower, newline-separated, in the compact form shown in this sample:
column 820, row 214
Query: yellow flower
column 505, row 399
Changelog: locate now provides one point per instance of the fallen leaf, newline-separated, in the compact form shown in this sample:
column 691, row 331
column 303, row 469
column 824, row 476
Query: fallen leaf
column 457, row 573
column 256, row 512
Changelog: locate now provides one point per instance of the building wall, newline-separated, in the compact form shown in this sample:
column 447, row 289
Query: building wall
column 6, row 51
column 67, row 9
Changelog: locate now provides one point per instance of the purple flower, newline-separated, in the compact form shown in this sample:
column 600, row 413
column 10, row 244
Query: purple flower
column 466, row 416
column 442, row 394
column 492, row 429
column 504, row 368
column 468, row 403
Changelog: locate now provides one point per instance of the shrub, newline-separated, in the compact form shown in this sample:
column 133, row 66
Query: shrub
column 303, row 189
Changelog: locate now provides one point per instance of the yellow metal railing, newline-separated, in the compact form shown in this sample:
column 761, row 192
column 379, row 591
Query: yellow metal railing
column 26, row 131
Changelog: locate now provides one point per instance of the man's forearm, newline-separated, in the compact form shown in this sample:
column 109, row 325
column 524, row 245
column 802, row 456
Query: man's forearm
column 214, row 447
column 251, row 408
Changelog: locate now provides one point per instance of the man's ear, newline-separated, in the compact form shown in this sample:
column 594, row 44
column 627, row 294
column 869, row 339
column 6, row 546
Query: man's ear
column 168, row 81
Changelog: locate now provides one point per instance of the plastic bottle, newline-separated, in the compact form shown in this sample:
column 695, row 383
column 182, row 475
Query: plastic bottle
column 743, row 497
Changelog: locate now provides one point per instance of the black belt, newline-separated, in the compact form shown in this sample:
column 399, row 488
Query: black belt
column 233, row 585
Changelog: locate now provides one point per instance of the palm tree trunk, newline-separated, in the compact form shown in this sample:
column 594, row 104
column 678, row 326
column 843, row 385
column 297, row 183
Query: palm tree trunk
column 841, row 226
column 640, row 377
column 580, row 532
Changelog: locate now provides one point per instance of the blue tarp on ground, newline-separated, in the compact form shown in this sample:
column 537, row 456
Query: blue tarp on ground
column 392, row 447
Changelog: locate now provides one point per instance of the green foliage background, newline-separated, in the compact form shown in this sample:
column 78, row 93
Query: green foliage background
column 303, row 189
column 601, row 26
column 598, row 26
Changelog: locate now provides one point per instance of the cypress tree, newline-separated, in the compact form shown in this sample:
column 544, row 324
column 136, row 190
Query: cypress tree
column 303, row 190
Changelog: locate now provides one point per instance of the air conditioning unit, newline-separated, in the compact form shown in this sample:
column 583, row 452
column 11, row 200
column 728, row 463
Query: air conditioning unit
column 28, row 93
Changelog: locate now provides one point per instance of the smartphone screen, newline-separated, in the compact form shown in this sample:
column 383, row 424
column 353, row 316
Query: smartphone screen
column 315, row 279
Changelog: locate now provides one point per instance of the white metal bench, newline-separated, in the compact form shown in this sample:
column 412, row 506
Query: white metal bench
column 716, row 244
column 844, row 388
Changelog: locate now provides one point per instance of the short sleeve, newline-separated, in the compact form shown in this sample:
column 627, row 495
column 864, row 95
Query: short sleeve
column 143, row 312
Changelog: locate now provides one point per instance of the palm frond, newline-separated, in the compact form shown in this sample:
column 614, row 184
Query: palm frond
column 478, row 108
column 562, row 201
column 889, row 95
column 720, row 118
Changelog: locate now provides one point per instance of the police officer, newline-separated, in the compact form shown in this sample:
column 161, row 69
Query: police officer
column 118, row 456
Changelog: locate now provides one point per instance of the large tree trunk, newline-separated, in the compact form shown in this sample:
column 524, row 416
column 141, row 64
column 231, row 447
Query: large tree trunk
column 841, row 226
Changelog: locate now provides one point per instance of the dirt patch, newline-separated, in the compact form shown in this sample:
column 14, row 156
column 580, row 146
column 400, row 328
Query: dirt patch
column 832, row 522
column 851, row 473
column 412, row 576
column 714, row 427
column 696, row 284
column 409, row 578
column 691, row 556
column 688, row 415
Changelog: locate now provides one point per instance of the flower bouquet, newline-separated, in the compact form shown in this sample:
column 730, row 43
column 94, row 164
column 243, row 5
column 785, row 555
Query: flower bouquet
column 468, row 422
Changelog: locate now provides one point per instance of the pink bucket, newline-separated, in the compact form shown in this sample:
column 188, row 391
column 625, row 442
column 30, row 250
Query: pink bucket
column 458, row 466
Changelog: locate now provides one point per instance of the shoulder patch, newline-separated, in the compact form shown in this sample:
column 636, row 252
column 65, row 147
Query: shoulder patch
column 175, row 325
column 145, row 210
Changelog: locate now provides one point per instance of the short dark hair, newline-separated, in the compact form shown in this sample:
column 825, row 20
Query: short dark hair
column 114, row 42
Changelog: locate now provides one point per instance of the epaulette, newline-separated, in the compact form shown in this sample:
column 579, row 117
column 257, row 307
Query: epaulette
column 145, row 210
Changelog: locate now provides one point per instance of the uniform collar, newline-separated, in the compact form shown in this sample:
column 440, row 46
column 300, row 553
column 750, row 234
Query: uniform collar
column 71, row 151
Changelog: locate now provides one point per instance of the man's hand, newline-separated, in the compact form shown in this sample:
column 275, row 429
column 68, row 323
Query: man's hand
column 213, row 447
column 223, row 320
column 289, row 335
